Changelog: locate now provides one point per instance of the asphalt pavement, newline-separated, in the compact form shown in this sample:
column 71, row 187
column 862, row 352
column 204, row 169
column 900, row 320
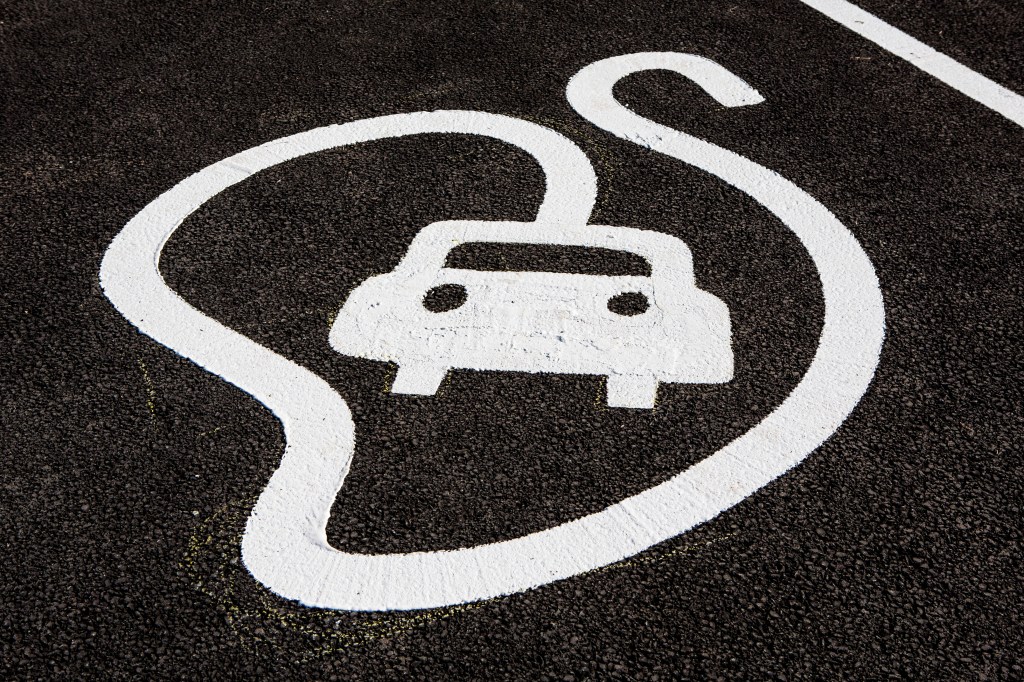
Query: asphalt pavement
column 893, row 550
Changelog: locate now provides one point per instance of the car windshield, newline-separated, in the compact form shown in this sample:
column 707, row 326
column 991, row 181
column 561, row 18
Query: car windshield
column 581, row 260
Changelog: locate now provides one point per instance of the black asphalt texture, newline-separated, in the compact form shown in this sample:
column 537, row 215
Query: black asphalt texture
column 892, row 551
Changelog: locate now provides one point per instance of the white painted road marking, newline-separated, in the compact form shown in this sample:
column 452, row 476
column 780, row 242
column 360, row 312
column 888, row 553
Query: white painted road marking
column 285, row 544
column 931, row 61
column 541, row 321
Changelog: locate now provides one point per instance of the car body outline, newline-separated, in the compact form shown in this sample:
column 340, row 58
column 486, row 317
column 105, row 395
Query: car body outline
column 541, row 321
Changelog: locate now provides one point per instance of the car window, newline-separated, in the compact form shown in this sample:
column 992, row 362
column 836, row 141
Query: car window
column 546, row 258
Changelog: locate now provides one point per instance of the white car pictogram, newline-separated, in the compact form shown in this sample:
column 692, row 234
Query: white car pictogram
column 540, row 321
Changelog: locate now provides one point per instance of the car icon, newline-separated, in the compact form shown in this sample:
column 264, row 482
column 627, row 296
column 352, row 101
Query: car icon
column 638, row 331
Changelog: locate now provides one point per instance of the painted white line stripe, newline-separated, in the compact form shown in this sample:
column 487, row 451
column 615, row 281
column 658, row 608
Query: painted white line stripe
column 949, row 71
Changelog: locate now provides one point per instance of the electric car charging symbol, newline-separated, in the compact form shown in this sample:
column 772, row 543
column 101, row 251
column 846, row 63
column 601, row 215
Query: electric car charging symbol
column 520, row 320
column 540, row 321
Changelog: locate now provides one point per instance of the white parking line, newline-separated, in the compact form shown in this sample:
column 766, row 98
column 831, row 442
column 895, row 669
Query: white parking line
column 949, row 71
